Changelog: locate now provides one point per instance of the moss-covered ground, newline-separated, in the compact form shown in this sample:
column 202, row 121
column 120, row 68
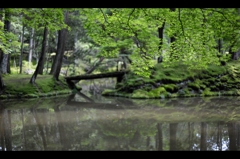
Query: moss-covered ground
column 18, row 86
column 179, row 81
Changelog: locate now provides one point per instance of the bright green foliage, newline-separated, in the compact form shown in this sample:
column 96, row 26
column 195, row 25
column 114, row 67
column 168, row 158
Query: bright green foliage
column 53, row 18
column 196, row 32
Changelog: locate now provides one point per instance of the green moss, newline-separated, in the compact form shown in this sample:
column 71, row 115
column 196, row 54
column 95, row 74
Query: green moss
column 224, row 78
column 207, row 92
column 194, row 86
column 170, row 87
column 107, row 92
column 158, row 92
column 211, row 80
column 19, row 86
column 140, row 94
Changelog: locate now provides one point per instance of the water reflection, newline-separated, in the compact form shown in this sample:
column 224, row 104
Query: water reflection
column 67, row 123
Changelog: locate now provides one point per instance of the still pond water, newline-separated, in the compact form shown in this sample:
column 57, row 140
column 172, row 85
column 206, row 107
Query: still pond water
column 73, row 122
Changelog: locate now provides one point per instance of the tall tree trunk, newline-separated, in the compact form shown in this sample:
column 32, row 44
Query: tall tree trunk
column 43, row 52
column 2, row 85
column 21, row 55
column 57, row 63
column 160, row 35
column 172, row 39
column 5, row 59
column 1, row 54
column 41, row 59
column 30, row 48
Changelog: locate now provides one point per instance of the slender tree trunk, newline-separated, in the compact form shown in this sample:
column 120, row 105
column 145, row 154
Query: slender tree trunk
column 21, row 55
column 172, row 39
column 57, row 63
column 160, row 35
column 31, row 48
column 41, row 59
column 1, row 54
column 5, row 59
column 43, row 52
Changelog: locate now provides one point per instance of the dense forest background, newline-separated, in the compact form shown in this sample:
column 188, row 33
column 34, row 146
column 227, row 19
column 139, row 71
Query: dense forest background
column 76, row 41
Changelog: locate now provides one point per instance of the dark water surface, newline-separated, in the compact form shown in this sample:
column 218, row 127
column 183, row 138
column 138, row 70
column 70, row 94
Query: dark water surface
column 73, row 123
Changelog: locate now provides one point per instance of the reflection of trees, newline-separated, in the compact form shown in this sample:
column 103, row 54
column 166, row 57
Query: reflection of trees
column 232, row 135
column 203, row 140
column 5, row 128
column 190, row 135
column 40, row 127
column 61, row 129
column 159, row 137
column 130, row 132
column 23, row 130
column 173, row 136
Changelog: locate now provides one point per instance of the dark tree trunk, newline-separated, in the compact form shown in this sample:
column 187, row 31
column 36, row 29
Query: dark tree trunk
column 160, row 35
column 203, row 144
column 2, row 85
column 1, row 51
column 219, row 46
column 20, row 57
column 43, row 52
column 1, row 54
column 172, row 39
column 57, row 63
column 5, row 58
column 41, row 59
column 173, row 136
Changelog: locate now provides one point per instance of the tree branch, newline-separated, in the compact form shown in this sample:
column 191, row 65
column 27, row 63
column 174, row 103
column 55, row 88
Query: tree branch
column 130, row 15
column 179, row 18
column 218, row 11
column 105, row 18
